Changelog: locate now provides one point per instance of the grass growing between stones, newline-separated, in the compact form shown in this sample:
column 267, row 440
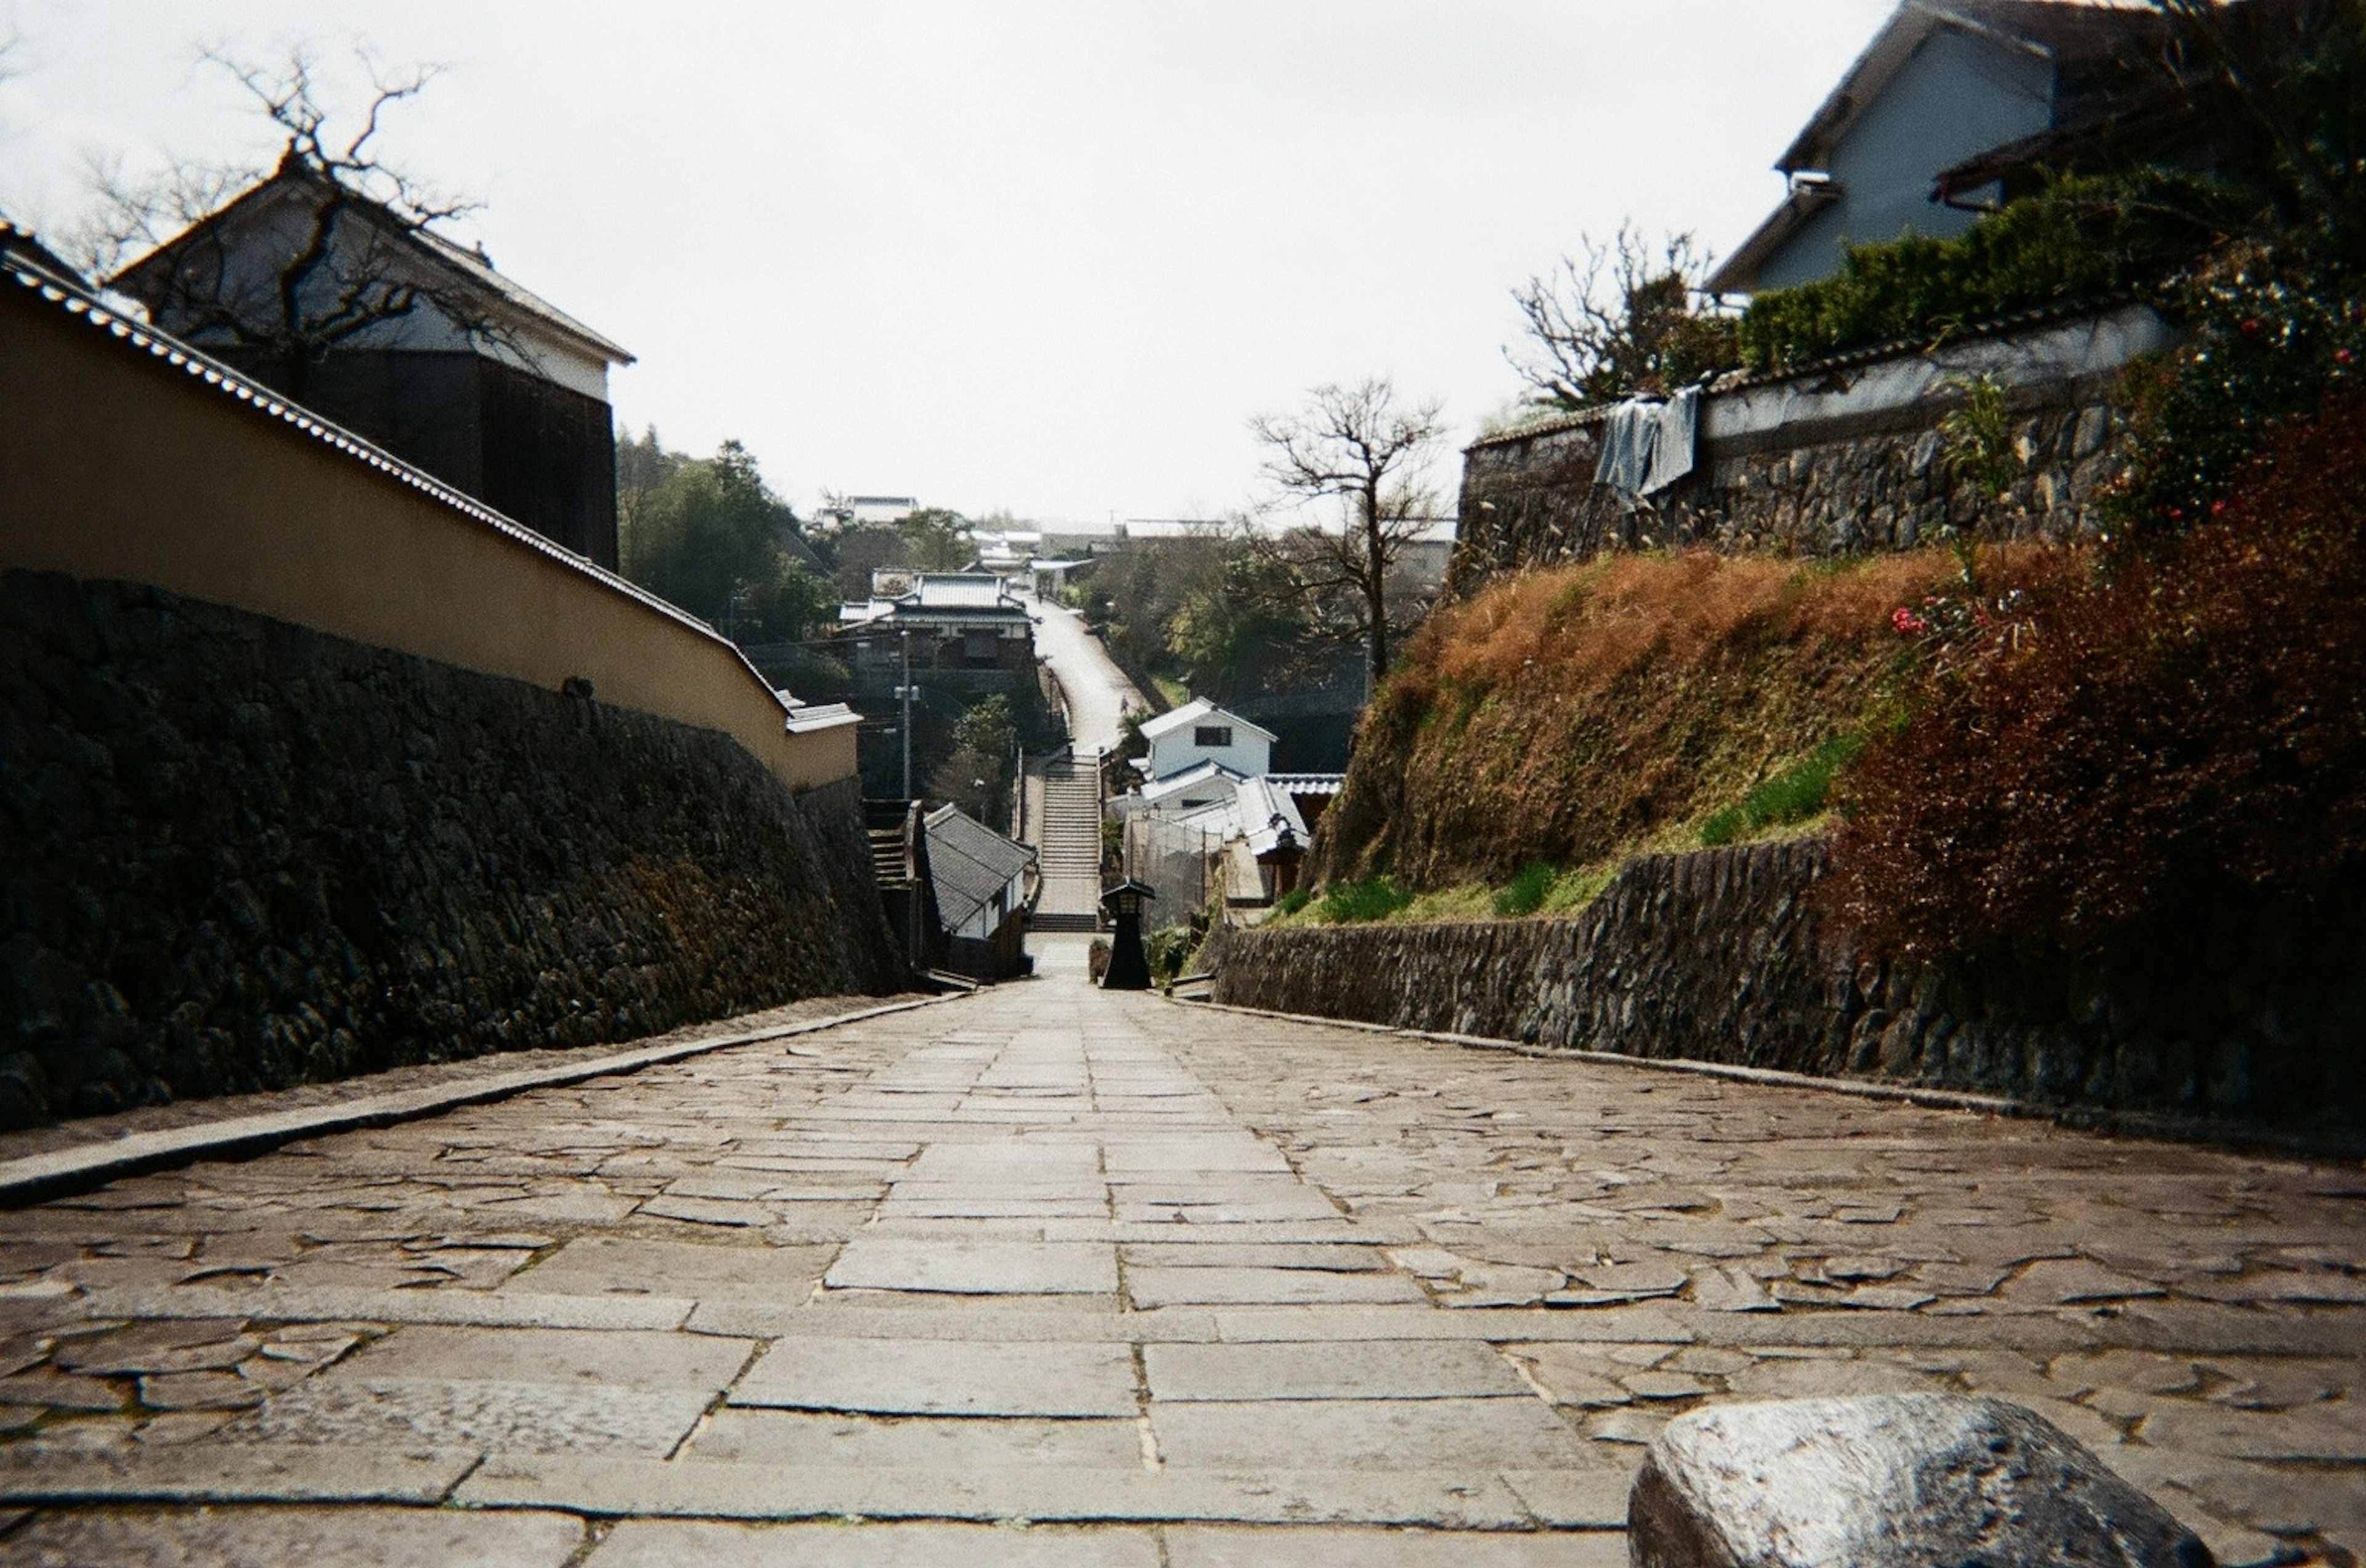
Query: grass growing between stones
column 1539, row 891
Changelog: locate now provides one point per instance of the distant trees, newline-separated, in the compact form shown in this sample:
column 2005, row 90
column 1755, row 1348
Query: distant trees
column 976, row 775
column 1361, row 447
column 930, row 539
column 707, row 533
column 1627, row 318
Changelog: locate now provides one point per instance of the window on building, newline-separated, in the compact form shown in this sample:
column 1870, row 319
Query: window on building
column 1211, row 735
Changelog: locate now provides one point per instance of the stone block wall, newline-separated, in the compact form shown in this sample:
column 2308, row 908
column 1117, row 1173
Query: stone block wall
column 1875, row 489
column 1844, row 458
column 237, row 854
column 2254, row 1019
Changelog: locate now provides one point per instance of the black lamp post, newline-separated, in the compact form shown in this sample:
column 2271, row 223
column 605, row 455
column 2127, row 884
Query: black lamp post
column 1127, row 969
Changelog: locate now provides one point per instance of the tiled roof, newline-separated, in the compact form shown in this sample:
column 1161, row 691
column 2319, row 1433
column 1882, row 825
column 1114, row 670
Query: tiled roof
column 970, row 864
column 1159, row 790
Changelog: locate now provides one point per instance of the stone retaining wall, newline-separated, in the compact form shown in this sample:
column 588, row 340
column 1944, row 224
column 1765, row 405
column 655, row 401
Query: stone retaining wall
column 239, row 854
column 2252, row 1016
column 1844, row 458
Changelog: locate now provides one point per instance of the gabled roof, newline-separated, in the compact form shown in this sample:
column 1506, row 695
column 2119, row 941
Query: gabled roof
column 2053, row 30
column 1192, row 712
column 933, row 596
column 2091, row 43
column 470, row 265
column 970, row 864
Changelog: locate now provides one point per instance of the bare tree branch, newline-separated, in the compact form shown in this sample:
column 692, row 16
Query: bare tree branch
column 348, row 264
column 1623, row 316
column 1357, row 445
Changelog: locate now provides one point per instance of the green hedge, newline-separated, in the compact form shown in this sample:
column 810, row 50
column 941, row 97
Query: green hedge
column 2078, row 238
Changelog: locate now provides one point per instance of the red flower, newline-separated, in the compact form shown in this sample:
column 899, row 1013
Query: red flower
column 2250, row 326
column 2341, row 357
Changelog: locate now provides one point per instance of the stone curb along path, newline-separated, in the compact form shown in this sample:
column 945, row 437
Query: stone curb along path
column 2085, row 1119
column 58, row 1173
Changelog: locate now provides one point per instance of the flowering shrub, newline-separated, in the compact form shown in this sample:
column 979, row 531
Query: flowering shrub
column 2119, row 749
column 1963, row 623
column 2270, row 342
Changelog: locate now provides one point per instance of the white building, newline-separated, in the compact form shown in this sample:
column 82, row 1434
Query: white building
column 1210, row 817
column 1199, row 732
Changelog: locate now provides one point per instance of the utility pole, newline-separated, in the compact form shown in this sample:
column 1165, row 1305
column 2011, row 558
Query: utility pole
column 905, row 691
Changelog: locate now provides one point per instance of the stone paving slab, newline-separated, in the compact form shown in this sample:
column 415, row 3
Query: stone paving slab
column 361, row 1537
column 609, row 1292
column 926, row 1442
column 901, row 1376
column 259, row 1473
column 1220, row 1286
column 579, row 1358
column 1253, row 1255
column 1221, row 1547
column 477, row 1413
column 605, row 1265
column 691, row 1489
column 1424, row 1433
column 976, row 1268
column 638, row 1543
column 1573, row 1499
column 929, row 1319
column 1329, row 1369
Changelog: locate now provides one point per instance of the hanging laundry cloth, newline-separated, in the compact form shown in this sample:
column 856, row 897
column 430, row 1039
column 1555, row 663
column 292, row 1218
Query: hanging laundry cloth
column 1629, row 433
column 1676, row 441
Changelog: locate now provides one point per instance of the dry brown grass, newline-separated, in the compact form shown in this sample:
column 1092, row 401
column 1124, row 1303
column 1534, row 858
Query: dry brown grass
column 1575, row 713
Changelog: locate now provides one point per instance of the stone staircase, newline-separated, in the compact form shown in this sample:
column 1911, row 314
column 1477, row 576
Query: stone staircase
column 897, row 860
column 1068, row 843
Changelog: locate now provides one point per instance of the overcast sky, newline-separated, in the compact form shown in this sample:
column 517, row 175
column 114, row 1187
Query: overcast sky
column 1028, row 255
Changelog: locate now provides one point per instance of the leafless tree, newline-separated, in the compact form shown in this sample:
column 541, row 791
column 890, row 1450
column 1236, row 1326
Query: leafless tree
column 1361, row 445
column 343, row 271
column 1622, row 317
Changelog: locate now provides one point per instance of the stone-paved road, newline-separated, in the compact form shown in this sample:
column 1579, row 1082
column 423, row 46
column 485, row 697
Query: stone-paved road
column 1046, row 1277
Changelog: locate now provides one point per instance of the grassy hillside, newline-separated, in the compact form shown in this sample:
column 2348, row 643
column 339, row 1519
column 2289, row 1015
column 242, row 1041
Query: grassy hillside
column 1566, row 717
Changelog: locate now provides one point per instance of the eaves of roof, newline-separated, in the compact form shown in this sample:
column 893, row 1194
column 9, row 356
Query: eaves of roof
column 1739, row 272
column 435, row 247
column 1159, row 789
